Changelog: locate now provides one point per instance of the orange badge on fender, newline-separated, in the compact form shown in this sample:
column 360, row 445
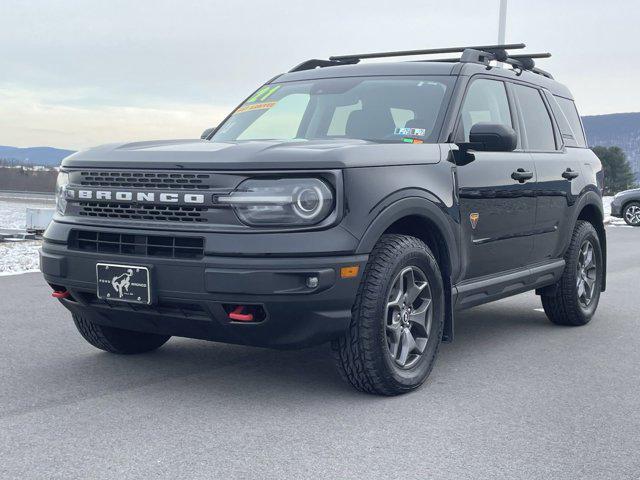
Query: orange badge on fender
column 474, row 217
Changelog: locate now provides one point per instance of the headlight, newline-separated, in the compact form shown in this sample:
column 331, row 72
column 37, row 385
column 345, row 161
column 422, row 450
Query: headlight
column 281, row 202
column 61, row 192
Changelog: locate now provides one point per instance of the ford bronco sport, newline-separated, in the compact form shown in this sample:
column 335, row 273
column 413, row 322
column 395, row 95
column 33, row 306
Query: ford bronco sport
column 361, row 204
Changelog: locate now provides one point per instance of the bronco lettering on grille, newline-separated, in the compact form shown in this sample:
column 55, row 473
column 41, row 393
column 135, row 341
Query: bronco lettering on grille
column 137, row 197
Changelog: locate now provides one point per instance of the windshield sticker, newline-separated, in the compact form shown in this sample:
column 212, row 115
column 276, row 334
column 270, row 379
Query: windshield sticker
column 255, row 106
column 412, row 140
column 411, row 132
column 264, row 93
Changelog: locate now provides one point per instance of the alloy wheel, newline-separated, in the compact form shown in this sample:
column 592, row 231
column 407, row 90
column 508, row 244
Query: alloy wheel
column 632, row 215
column 587, row 274
column 408, row 316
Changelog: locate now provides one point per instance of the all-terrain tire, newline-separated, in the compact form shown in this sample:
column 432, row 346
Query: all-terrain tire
column 362, row 353
column 635, row 221
column 561, row 302
column 117, row 340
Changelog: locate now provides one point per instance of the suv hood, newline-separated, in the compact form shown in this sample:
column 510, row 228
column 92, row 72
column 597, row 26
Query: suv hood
column 253, row 155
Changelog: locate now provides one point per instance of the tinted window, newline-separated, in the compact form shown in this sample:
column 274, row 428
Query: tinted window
column 379, row 109
column 537, row 122
column 486, row 101
column 571, row 113
column 280, row 121
column 563, row 124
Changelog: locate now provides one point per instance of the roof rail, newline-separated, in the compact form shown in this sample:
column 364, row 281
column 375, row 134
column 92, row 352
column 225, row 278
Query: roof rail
column 315, row 63
column 477, row 54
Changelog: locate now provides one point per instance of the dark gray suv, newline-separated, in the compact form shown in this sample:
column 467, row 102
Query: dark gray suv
column 626, row 205
column 344, row 202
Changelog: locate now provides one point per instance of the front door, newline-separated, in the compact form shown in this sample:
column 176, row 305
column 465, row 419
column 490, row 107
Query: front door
column 495, row 191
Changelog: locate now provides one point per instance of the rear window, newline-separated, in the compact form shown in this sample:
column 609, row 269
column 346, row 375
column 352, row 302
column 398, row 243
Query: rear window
column 571, row 114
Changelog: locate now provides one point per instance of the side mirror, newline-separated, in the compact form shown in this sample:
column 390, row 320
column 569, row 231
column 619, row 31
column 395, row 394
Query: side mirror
column 207, row 132
column 493, row 137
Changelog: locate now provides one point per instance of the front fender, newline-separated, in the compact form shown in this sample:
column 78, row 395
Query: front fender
column 420, row 207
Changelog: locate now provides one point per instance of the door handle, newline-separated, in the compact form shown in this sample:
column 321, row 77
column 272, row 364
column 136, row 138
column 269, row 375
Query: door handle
column 521, row 175
column 569, row 174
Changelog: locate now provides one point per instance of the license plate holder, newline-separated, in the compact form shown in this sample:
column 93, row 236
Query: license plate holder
column 123, row 283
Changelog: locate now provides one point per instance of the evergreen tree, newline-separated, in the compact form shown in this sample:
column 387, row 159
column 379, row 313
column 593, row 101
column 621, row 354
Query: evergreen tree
column 618, row 175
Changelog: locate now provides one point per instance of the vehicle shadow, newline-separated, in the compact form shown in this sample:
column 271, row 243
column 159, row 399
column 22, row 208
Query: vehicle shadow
column 217, row 372
column 221, row 369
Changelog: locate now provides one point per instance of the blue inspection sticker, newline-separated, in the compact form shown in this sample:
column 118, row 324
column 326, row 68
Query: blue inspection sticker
column 410, row 132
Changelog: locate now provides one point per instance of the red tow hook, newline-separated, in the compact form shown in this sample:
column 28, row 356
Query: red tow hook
column 239, row 315
column 63, row 294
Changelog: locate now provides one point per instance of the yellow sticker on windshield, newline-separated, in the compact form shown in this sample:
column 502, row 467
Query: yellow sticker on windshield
column 256, row 106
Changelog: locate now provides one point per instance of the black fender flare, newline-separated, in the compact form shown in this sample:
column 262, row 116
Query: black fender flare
column 430, row 211
column 418, row 206
column 592, row 198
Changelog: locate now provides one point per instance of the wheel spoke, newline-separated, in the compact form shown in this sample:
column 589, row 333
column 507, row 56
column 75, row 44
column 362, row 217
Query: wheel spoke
column 395, row 302
column 394, row 338
column 581, row 291
column 590, row 283
column 588, row 257
column 408, row 345
column 420, row 315
column 414, row 289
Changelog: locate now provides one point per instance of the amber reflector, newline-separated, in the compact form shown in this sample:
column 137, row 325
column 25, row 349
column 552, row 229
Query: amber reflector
column 349, row 272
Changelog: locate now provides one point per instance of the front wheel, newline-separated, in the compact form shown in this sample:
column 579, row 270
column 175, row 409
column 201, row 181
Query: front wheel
column 397, row 319
column 631, row 214
column 574, row 299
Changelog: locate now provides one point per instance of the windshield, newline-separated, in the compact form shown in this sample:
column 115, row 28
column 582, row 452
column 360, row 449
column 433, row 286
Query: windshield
column 381, row 109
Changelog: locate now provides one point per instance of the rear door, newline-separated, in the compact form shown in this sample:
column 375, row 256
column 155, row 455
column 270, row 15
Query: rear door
column 496, row 211
column 558, row 170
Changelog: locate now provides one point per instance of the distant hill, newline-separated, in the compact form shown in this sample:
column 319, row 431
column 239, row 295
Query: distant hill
column 621, row 129
column 47, row 156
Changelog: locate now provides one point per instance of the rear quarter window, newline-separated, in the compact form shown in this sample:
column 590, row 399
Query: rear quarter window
column 571, row 114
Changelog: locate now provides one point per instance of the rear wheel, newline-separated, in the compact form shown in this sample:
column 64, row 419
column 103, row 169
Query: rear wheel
column 397, row 320
column 574, row 299
column 631, row 214
column 117, row 340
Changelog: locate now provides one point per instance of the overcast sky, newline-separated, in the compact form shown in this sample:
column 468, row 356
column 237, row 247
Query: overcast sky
column 75, row 73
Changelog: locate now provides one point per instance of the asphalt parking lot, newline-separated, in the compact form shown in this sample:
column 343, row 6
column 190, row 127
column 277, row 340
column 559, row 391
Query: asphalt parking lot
column 513, row 397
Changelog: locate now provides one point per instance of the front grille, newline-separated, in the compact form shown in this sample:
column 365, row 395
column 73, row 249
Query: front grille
column 144, row 245
column 129, row 211
column 135, row 197
column 164, row 180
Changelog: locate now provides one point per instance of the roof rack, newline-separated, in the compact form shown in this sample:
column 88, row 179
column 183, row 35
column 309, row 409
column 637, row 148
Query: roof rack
column 475, row 54
column 432, row 51
column 522, row 62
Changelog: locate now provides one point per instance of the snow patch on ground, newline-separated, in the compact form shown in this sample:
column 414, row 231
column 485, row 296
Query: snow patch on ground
column 13, row 210
column 608, row 219
column 19, row 257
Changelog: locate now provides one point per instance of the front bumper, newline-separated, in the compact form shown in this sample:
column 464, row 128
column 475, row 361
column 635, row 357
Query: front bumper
column 192, row 297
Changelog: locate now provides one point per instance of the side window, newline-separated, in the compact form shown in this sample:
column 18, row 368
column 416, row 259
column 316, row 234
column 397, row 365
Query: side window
column 401, row 116
column 486, row 101
column 338, row 125
column 537, row 122
column 571, row 113
column 563, row 124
